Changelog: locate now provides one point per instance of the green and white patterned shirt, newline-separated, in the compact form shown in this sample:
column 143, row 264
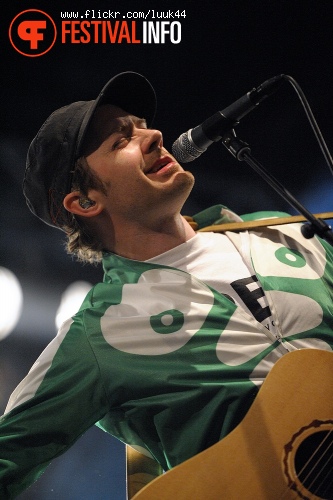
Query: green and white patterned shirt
column 162, row 360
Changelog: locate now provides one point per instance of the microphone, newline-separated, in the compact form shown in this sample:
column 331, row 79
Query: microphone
column 191, row 144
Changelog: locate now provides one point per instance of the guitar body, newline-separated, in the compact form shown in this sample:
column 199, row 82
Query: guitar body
column 264, row 457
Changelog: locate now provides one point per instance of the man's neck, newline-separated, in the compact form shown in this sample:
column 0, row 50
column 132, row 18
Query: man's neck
column 143, row 242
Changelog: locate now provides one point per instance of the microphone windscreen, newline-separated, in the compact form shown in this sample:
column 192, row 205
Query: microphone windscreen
column 184, row 149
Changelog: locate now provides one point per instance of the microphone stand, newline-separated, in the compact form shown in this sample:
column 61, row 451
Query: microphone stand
column 242, row 152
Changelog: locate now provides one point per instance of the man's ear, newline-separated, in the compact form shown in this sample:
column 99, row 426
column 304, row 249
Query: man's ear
column 78, row 204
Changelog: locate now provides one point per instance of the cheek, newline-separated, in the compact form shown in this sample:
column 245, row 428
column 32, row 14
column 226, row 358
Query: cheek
column 116, row 170
column 125, row 176
column 127, row 163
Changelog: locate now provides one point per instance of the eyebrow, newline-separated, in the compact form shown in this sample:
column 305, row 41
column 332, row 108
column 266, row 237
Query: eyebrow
column 95, row 136
column 124, row 123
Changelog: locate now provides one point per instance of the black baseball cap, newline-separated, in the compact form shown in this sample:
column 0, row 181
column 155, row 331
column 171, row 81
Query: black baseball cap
column 58, row 144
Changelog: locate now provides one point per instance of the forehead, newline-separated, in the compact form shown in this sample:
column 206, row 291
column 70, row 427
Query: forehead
column 107, row 120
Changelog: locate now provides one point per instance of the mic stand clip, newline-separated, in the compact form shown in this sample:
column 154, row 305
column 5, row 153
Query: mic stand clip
column 242, row 152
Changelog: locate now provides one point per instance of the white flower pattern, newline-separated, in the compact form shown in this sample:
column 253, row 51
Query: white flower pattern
column 159, row 314
column 166, row 307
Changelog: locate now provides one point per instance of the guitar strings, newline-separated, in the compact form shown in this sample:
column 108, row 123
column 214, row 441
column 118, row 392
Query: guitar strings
column 327, row 484
column 319, row 474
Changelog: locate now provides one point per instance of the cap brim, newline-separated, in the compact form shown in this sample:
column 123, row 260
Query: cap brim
column 129, row 91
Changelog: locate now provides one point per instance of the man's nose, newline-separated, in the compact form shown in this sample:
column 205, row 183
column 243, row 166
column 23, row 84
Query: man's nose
column 152, row 140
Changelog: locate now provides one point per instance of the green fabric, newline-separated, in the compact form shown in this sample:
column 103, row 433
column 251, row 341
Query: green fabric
column 160, row 360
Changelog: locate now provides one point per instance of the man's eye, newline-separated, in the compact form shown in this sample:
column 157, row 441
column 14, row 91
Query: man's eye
column 122, row 141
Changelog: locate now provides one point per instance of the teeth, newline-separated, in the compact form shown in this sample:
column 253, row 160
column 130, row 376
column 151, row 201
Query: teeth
column 157, row 168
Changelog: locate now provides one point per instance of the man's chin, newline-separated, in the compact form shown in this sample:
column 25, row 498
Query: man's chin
column 185, row 179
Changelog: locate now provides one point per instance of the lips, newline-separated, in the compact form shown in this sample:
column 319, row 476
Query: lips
column 159, row 164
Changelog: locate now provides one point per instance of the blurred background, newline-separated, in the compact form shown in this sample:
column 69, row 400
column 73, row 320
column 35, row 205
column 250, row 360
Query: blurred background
column 226, row 49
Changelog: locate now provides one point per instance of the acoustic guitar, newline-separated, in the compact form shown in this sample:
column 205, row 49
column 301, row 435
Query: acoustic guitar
column 283, row 448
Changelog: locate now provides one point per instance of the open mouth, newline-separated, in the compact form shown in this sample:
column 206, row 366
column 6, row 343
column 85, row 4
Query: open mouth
column 159, row 165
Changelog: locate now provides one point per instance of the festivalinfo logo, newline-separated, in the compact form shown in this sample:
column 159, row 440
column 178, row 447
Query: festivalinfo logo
column 33, row 32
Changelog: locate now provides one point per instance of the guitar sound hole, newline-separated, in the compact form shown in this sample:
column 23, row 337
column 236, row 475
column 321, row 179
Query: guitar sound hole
column 314, row 464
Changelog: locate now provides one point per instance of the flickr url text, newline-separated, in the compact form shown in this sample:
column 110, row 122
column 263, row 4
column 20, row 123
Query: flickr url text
column 115, row 14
